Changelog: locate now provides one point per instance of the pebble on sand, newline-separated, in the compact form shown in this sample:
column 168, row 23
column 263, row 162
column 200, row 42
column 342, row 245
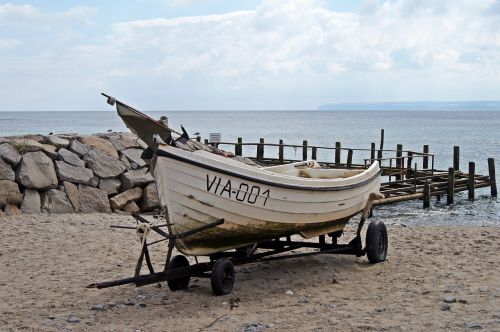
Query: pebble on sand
column 449, row 299
column 445, row 307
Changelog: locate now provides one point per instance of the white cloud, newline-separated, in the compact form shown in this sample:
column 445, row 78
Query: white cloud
column 6, row 43
column 295, row 54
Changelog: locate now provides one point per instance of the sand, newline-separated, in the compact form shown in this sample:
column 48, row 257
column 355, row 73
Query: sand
column 46, row 262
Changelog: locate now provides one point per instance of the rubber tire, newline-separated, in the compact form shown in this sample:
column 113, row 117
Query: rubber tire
column 222, row 277
column 179, row 283
column 376, row 242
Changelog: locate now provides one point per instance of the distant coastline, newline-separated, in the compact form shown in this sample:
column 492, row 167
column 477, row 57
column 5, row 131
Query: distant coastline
column 415, row 106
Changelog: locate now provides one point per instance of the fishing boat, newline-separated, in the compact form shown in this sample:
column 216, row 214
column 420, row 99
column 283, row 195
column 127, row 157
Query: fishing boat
column 235, row 212
column 257, row 204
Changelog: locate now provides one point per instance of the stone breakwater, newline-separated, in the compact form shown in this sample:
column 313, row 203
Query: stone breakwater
column 73, row 173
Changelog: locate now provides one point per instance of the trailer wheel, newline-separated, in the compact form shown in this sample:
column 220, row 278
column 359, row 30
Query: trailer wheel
column 178, row 261
column 222, row 276
column 376, row 242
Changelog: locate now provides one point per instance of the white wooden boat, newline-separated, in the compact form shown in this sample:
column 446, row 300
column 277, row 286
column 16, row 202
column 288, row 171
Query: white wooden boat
column 257, row 204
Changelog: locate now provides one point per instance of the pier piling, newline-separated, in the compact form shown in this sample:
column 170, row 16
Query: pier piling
column 493, row 182
column 281, row 150
column 372, row 154
column 408, row 166
column 451, row 186
column 399, row 163
column 427, row 194
column 304, row 150
column 425, row 158
column 456, row 158
column 349, row 158
column 472, row 180
column 239, row 148
column 338, row 151
column 260, row 149
column 381, row 147
column 314, row 152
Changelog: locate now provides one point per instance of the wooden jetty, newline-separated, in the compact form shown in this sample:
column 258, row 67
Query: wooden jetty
column 409, row 174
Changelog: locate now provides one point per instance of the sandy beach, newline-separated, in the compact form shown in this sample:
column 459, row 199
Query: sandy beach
column 48, row 260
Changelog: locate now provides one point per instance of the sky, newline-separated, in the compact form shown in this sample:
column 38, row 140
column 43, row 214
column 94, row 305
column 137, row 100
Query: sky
column 246, row 54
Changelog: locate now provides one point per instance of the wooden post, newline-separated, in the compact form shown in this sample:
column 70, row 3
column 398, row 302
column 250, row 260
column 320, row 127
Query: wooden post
column 451, row 186
column 472, row 175
column 399, row 162
column 281, row 152
column 408, row 167
column 349, row 158
column 415, row 179
column 314, row 153
column 381, row 147
column 206, row 141
column 304, row 150
column 198, row 138
column 372, row 155
column 427, row 195
column 260, row 149
column 238, row 150
column 493, row 181
column 425, row 158
column 338, row 150
column 456, row 158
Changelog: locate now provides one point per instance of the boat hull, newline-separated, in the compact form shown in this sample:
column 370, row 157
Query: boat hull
column 198, row 190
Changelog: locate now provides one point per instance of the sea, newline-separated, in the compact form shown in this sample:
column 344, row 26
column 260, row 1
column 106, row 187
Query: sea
column 476, row 132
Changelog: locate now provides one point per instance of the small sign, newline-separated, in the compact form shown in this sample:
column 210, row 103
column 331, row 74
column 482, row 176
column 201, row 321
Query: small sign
column 214, row 138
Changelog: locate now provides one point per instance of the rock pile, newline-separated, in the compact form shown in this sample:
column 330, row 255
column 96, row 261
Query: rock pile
column 73, row 173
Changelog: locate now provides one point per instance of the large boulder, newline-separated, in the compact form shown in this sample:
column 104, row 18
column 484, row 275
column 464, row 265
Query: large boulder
column 150, row 199
column 101, row 144
column 12, row 210
column 111, row 186
column 50, row 150
column 24, row 145
column 134, row 156
column 9, row 193
column 120, row 200
column 136, row 178
column 6, row 172
column 55, row 201
column 73, row 194
column 104, row 166
column 31, row 202
column 57, row 141
column 131, row 207
column 70, row 157
column 123, row 141
column 67, row 172
column 93, row 200
column 36, row 171
column 79, row 148
column 125, row 162
column 10, row 154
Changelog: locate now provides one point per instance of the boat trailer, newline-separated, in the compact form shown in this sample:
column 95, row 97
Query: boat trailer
column 220, row 268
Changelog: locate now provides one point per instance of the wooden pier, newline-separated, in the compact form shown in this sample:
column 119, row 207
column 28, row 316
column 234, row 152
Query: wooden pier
column 409, row 175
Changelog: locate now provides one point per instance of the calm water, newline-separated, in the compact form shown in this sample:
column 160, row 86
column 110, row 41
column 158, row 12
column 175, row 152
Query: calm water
column 477, row 134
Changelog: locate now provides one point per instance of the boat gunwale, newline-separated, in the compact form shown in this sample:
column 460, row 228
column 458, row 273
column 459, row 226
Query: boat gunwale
column 166, row 154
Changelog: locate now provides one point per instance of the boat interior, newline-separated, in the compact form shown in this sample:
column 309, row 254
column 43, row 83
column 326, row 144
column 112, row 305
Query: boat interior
column 311, row 169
